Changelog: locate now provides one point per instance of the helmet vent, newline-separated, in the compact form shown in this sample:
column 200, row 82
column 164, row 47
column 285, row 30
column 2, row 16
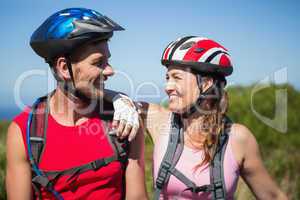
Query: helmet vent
column 198, row 50
column 64, row 14
column 187, row 45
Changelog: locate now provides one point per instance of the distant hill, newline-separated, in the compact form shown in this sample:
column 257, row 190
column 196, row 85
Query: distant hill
column 8, row 113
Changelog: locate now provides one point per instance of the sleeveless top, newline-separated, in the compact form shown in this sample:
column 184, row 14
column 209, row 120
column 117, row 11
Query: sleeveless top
column 71, row 146
column 188, row 160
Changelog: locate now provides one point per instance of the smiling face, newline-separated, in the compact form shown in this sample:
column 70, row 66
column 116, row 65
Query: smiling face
column 182, row 89
column 91, row 68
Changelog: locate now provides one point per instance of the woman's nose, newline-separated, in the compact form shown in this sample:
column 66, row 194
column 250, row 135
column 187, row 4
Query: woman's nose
column 170, row 86
column 108, row 71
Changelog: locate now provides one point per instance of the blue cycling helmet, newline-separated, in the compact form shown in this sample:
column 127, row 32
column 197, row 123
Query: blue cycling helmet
column 68, row 29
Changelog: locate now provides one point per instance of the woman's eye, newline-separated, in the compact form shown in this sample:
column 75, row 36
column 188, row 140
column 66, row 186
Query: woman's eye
column 102, row 63
column 99, row 64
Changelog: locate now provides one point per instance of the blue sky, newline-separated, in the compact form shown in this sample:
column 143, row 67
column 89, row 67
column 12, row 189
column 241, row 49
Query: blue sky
column 262, row 37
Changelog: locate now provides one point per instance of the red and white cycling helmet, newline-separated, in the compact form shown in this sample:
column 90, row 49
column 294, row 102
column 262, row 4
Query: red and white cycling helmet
column 201, row 54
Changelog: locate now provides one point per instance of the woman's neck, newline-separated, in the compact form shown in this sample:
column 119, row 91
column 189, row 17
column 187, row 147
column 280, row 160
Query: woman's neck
column 193, row 131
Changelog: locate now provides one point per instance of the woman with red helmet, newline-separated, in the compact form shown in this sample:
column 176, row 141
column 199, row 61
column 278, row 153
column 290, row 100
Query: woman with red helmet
column 199, row 153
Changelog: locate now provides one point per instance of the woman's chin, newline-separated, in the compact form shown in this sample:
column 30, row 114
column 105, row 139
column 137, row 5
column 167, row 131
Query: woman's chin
column 175, row 108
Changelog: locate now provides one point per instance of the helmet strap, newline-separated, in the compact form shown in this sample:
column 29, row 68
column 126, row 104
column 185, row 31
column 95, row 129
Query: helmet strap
column 202, row 95
column 70, row 88
column 69, row 66
column 193, row 108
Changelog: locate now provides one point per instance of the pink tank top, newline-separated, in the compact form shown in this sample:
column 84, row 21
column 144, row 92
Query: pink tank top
column 186, row 164
column 71, row 146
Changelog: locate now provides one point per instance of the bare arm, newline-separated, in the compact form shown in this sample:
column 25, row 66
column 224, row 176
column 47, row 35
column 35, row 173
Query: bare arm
column 254, row 172
column 135, row 172
column 18, row 171
column 155, row 118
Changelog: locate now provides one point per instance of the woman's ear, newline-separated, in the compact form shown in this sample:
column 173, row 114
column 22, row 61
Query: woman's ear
column 207, row 82
column 62, row 68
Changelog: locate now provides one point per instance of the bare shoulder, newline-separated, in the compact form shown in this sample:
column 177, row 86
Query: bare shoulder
column 158, row 111
column 156, row 118
column 14, row 141
column 241, row 134
column 242, row 141
column 154, row 113
column 14, row 133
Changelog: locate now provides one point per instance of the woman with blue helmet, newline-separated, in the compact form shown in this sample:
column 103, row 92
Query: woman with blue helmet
column 69, row 151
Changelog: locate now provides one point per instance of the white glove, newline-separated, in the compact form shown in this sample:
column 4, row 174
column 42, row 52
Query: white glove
column 126, row 117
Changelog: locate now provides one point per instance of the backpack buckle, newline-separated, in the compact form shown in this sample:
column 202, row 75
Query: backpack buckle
column 162, row 174
column 218, row 185
column 42, row 180
column 97, row 164
column 36, row 139
column 218, row 188
column 203, row 188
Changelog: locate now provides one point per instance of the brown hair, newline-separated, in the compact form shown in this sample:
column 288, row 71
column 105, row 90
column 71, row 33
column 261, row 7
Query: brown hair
column 213, row 121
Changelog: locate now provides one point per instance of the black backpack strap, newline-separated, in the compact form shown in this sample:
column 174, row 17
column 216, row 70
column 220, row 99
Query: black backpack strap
column 75, row 171
column 190, row 184
column 106, row 110
column 217, row 186
column 174, row 150
column 37, row 194
column 171, row 157
column 120, row 147
column 37, row 125
column 38, row 128
column 217, row 165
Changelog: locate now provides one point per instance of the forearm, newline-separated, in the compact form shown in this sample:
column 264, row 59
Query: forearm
column 135, row 171
column 135, row 181
column 261, row 183
column 280, row 196
column 272, row 196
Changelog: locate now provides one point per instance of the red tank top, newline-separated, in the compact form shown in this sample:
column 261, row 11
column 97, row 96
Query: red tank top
column 72, row 146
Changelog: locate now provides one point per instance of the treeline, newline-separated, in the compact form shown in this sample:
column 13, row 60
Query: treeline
column 272, row 114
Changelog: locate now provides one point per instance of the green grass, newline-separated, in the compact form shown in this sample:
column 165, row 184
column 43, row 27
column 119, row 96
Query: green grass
column 148, row 166
column 3, row 128
column 280, row 151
